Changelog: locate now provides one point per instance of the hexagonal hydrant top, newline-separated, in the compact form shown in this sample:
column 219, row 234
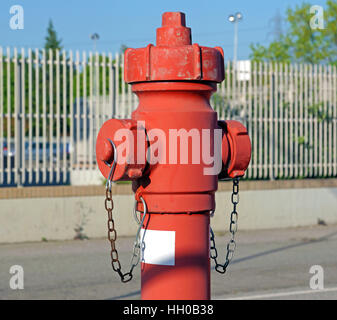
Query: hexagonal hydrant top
column 174, row 57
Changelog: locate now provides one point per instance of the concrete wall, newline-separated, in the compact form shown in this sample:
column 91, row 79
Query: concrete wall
column 52, row 213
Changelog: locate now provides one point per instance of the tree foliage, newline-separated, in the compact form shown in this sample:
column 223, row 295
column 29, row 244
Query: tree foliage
column 52, row 41
column 301, row 43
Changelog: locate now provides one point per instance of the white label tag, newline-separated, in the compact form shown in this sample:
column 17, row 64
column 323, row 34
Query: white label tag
column 158, row 247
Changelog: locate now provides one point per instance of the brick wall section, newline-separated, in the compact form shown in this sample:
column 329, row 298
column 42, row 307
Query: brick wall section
column 125, row 189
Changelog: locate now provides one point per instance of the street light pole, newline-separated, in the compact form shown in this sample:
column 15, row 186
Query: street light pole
column 235, row 19
column 94, row 37
column 235, row 41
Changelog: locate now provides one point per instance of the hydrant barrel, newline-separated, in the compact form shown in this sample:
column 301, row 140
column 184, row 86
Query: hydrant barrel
column 186, row 273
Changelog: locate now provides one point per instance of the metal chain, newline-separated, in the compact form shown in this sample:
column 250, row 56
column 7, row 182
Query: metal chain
column 112, row 233
column 233, row 227
column 112, row 236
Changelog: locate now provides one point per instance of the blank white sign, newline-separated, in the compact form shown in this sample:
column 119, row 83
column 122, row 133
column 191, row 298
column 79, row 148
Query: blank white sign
column 158, row 247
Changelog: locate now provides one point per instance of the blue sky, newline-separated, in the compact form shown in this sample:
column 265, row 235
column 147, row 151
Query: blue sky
column 133, row 23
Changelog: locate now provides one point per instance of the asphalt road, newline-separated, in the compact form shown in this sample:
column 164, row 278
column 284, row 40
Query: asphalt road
column 269, row 264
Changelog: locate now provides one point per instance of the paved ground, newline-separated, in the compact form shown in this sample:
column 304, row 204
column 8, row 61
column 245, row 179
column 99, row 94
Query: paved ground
column 269, row 264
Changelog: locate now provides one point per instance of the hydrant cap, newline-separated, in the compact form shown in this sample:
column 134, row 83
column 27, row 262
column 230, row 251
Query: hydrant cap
column 104, row 151
column 173, row 31
column 174, row 57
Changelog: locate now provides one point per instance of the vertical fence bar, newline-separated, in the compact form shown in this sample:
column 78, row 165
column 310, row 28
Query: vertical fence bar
column 70, row 116
column 334, row 105
column 84, row 111
column 112, row 92
column 78, row 113
column 233, row 88
column 260, row 106
column 58, row 118
column 17, row 99
column 64, row 117
column 250, row 116
column 123, row 102
column 271, row 124
column 314, row 120
column 318, row 108
column 90, row 111
column 244, row 103
column 280, row 112
column 301, row 138
column 285, row 105
column 255, row 136
column 2, row 129
column 51, row 116
column 311, row 119
column 30, row 117
column 266, row 172
column 311, row 123
column 9, row 117
column 22, row 118
column 37, row 116
column 220, row 109
column 279, row 121
column 44, row 116
column 228, row 87
column 296, row 122
column 320, row 124
column 319, row 127
column 105, row 103
column 325, row 121
column 330, row 117
column 291, row 121
column 118, row 112
column 275, row 121
column 305, row 119
column 98, row 101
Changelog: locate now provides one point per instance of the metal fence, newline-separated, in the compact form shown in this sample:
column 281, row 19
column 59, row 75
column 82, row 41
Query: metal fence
column 290, row 111
column 53, row 103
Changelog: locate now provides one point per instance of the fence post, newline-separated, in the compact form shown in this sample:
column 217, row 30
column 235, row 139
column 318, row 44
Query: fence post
column 113, row 86
column 19, row 148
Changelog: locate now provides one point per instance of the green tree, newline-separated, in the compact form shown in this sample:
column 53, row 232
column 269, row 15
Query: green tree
column 301, row 43
column 52, row 41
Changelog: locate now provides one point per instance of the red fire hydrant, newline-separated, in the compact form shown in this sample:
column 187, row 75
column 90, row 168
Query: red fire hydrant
column 174, row 150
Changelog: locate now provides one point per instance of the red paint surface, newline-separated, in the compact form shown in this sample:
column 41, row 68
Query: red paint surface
column 190, row 277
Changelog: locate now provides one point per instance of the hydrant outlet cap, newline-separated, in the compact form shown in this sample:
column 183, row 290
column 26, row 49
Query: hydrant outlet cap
column 105, row 150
